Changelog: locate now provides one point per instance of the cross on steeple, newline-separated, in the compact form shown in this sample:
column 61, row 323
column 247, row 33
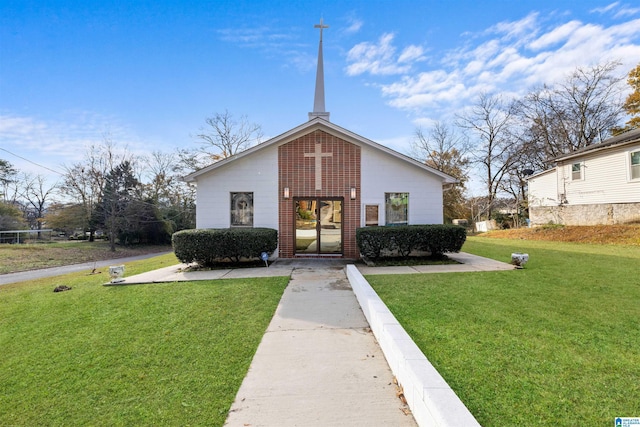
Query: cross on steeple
column 318, row 100
column 321, row 26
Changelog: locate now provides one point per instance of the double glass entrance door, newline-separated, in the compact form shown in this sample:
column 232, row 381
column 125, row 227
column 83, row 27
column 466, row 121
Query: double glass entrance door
column 318, row 226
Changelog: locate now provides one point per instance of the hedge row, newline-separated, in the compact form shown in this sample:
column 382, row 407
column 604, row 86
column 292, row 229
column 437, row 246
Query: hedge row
column 437, row 239
column 209, row 246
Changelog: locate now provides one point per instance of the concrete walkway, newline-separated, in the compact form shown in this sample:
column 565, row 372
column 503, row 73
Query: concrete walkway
column 318, row 363
column 284, row 267
column 468, row 263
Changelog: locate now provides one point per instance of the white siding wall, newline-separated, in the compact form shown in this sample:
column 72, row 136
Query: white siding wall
column 543, row 189
column 256, row 173
column 382, row 173
column 606, row 178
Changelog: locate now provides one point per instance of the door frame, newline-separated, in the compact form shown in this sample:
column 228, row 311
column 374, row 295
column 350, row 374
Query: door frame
column 318, row 252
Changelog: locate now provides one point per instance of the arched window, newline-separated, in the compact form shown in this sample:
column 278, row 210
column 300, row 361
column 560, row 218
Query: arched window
column 242, row 209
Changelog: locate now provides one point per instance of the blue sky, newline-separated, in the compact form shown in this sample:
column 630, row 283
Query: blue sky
column 148, row 73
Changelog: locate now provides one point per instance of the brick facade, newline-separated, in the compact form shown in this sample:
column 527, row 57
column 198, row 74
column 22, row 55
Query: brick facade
column 340, row 173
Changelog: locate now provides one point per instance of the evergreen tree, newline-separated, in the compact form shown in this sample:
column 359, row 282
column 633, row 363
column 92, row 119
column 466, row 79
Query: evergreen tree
column 119, row 190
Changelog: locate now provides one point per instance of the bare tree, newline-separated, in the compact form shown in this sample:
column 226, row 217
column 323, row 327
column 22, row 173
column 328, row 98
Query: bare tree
column 580, row 111
column 36, row 194
column 489, row 123
column 443, row 149
column 161, row 167
column 174, row 198
column 226, row 136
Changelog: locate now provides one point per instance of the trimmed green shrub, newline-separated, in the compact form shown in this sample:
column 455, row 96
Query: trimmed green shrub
column 434, row 238
column 209, row 246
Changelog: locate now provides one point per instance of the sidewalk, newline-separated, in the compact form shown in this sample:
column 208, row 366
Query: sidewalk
column 284, row 267
column 318, row 363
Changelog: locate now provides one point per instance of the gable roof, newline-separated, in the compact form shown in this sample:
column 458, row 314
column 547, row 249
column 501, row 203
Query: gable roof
column 318, row 123
column 625, row 138
column 629, row 137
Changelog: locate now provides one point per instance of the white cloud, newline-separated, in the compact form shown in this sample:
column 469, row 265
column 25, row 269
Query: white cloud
column 627, row 11
column 54, row 143
column 411, row 53
column 508, row 58
column 606, row 8
column 253, row 37
column 557, row 35
column 354, row 26
column 301, row 60
column 380, row 58
column 619, row 10
column 523, row 28
column 272, row 43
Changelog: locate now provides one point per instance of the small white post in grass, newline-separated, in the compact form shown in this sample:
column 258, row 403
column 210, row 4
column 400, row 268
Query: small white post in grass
column 116, row 272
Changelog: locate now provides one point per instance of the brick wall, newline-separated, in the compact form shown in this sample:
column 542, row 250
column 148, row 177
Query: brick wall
column 340, row 173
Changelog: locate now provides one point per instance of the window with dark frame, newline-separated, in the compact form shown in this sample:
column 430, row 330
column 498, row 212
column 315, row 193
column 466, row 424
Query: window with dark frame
column 396, row 208
column 635, row 165
column 576, row 171
column 242, row 209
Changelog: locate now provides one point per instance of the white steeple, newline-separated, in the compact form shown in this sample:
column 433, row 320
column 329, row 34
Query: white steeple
column 318, row 100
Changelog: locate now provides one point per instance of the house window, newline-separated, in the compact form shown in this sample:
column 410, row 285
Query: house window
column 635, row 165
column 242, row 209
column 396, row 206
column 576, row 171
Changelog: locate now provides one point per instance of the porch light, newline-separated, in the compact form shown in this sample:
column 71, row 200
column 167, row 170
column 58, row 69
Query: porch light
column 353, row 193
column 286, row 192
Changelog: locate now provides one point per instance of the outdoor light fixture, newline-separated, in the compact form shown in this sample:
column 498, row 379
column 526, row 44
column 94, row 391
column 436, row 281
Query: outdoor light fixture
column 286, row 192
column 353, row 193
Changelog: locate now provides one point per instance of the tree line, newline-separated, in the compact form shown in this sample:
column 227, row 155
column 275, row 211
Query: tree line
column 141, row 199
column 116, row 195
column 506, row 139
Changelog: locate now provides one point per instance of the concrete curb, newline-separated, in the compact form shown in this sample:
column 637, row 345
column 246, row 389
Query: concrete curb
column 430, row 398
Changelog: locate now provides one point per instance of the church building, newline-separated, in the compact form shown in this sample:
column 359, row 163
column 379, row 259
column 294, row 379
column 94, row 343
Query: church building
column 316, row 184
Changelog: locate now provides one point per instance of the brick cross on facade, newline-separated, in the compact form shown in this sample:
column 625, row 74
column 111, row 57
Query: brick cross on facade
column 318, row 155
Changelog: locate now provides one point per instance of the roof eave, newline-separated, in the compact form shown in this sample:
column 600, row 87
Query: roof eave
column 314, row 124
column 621, row 140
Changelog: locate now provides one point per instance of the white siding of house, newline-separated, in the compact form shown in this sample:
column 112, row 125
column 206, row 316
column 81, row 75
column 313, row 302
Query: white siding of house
column 255, row 173
column 543, row 189
column 382, row 173
column 606, row 178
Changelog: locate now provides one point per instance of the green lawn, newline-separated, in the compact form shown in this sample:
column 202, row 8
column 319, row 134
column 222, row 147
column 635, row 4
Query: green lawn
column 161, row 354
column 557, row 343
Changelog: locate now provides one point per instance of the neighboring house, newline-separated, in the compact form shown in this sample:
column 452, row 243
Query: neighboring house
column 316, row 184
column 599, row 184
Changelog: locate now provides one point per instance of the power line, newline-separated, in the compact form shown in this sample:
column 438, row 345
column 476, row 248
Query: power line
column 32, row 162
